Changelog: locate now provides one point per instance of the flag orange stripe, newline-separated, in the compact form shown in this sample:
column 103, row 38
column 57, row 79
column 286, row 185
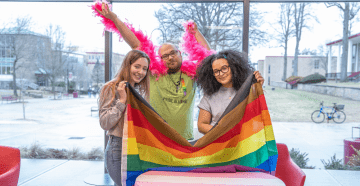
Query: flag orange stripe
column 250, row 128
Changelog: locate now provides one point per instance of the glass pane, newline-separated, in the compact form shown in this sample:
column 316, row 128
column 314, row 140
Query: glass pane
column 305, row 73
column 163, row 24
column 51, row 108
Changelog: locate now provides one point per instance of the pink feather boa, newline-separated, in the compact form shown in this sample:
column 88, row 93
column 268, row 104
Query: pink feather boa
column 196, row 52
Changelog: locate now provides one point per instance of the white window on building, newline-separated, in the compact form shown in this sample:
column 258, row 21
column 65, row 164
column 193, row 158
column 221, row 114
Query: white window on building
column 2, row 51
column 317, row 64
column 269, row 69
column 5, row 68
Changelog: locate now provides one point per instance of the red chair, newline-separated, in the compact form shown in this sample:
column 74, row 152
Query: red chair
column 9, row 166
column 286, row 169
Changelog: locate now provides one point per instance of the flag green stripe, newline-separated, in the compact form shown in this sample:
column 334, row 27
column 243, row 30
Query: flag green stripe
column 251, row 160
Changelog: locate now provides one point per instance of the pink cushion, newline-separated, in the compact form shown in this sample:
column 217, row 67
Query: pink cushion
column 162, row 178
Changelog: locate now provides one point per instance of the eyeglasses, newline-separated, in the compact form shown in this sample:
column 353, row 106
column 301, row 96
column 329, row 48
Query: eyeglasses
column 223, row 69
column 172, row 54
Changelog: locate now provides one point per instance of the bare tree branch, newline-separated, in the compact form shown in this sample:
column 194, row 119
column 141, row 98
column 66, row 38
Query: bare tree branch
column 20, row 42
column 207, row 15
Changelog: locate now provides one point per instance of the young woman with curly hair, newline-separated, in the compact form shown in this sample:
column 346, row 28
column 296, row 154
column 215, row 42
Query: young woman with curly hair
column 112, row 105
column 220, row 76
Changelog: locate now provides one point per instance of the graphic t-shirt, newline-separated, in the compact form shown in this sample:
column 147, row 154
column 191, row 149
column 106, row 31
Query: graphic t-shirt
column 173, row 106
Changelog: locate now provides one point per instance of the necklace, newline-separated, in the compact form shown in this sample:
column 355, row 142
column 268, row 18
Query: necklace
column 177, row 83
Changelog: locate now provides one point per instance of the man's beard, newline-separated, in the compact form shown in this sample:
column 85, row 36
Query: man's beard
column 174, row 70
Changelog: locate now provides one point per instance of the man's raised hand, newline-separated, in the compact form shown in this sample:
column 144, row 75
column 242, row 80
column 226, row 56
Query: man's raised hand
column 193, row 28
column 106, row 12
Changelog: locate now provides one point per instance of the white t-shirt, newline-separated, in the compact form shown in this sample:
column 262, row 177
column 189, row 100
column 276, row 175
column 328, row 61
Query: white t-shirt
column 217, row 103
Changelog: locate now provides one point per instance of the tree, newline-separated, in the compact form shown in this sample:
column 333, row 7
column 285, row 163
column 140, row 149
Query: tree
column 51, row 57
column 308, row 51
column 287, row 31
column 352, row 22
column 81, row 75
column 302, row 16
column 77, row 67
column 20, row 45
column 349, row 11
column 322, row 57
column 220, row 23
column 98, row 75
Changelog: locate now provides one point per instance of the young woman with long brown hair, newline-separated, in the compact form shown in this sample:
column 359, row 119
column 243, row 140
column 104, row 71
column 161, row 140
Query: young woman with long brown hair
column 112, row 105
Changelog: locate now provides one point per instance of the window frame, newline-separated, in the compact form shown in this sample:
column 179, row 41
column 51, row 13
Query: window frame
column 316, row 64
column 245, row 37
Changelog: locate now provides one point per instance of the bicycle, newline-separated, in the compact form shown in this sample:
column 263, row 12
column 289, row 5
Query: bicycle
column 318, row 116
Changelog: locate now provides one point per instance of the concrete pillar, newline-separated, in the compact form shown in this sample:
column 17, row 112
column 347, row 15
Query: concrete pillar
column 329, row 61
column 338, row 63
column 349, row 57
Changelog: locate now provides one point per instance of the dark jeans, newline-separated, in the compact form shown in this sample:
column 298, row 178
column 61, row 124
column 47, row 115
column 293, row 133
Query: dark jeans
column 113, row 159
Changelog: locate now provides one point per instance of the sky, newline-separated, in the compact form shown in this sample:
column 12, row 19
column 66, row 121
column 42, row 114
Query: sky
column 84, row 30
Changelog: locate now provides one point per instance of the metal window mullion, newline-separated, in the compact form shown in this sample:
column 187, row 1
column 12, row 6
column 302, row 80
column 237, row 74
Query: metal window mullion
column 246, row 16
column 108, row 75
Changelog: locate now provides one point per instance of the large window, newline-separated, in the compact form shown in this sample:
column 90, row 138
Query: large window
column 60, row 59
column 222, row 27
column 308, row 54
column 48, row 44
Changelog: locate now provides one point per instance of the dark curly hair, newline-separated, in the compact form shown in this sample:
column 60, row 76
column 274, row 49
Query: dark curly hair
column 238, row 63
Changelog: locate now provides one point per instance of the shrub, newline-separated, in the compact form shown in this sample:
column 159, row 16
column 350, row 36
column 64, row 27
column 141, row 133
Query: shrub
column 75, row 154
column 95, row 154
column 293, row 78
column 35, row 151
column 313, row 78
column 337, row 164
column 300, row 159
column 333, row 163
column 60, row 84
column 72, row 85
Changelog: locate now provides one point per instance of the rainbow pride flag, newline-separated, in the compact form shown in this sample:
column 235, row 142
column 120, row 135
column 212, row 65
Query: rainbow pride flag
column 242, row 140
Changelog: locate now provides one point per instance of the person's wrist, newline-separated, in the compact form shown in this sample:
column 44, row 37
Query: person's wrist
column 113, row 17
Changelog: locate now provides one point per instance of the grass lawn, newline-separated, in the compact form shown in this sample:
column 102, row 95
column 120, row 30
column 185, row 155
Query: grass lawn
column 295, row 105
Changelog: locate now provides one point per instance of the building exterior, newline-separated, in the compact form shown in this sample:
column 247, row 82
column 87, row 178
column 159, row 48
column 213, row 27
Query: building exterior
column 260, row 66
column 37, row 60
column 353, row 56
column 20, row 47
column 272, row 67
column 92, row 57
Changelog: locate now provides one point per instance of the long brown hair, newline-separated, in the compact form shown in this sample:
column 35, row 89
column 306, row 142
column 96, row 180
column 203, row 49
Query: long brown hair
column 124, row 75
